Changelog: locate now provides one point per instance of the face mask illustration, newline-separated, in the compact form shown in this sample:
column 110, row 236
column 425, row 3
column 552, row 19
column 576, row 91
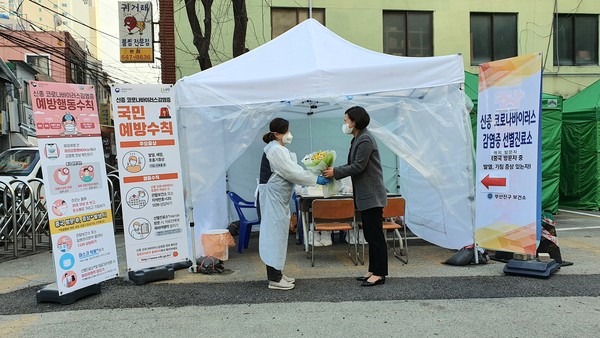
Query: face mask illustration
column 52, row 150
column 70, row 128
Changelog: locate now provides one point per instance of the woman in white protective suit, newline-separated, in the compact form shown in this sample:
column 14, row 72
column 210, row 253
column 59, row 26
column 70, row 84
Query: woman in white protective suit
column 274, row 197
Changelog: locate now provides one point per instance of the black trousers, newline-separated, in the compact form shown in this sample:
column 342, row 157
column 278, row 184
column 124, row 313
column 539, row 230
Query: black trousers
column 273, row 274
column 372, row 222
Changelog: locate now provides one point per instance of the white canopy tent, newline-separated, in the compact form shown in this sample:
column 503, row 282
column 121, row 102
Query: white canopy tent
column 310, row 74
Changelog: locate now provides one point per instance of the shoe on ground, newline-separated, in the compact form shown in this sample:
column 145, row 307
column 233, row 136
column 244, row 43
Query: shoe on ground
column 290, row 280
column 379, row 281
column 281, row 285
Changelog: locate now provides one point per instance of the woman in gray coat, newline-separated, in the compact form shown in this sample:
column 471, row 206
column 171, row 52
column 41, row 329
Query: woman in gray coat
column 364, row 167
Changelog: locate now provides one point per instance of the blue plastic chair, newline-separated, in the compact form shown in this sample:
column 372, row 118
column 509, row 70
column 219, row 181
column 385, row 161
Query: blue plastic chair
column 245, row 224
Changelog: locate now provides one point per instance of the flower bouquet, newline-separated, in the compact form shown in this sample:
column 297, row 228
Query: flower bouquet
column 319, row 161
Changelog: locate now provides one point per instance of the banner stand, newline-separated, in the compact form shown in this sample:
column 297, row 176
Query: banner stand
column 49, row 294
column 147, row 275
column 180, row 265
column 531, row 268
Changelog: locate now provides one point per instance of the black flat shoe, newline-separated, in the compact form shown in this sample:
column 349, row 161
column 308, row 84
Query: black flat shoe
column 381, row 280
column 363, row 278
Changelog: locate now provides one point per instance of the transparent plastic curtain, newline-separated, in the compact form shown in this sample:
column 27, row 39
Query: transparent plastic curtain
column 428, row 129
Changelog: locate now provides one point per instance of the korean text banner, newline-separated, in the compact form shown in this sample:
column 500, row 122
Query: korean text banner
column 150, row 175
column 508, row 164
column 136, row 32
column 77, row 198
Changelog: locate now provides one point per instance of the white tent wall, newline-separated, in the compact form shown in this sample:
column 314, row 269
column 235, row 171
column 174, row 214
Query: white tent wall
column 416, row 107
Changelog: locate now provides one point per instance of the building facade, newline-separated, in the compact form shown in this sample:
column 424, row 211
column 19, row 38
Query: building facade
column 42, row 56
column 565, row 32
column 73, row 16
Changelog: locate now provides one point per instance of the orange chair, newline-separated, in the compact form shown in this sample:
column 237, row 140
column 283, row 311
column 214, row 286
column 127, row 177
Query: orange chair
column 333, row 215
column 395, row 209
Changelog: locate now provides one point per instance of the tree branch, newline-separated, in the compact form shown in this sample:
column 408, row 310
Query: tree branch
column 201, row 42
column 240, row 19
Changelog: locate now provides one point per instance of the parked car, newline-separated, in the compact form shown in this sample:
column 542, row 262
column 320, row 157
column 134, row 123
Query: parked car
column 20, row 163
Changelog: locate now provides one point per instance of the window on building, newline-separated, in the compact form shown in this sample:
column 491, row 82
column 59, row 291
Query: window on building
column 2, row 97
column 493, row 36
column 408, row 33
column 576, row 40
column 41, row 63
column 63, row 4
column 282, row 19
column 77, row 74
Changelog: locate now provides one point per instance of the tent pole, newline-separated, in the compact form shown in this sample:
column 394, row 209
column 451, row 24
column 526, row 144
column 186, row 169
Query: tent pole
column 187, row 192
column 310, row 132
column 194, row 267
column 310, row 9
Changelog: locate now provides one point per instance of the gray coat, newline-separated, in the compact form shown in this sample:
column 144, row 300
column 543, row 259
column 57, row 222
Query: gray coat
column 364, row 167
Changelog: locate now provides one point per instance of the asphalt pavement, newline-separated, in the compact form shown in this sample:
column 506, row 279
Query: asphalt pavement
column 423, row 297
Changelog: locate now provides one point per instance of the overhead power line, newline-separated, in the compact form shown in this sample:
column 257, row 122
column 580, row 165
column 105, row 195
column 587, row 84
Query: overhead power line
column 51, row 50
column 72, row 19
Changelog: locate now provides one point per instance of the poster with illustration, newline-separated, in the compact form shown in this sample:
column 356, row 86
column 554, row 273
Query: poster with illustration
column 151, row 183
column 79, row 208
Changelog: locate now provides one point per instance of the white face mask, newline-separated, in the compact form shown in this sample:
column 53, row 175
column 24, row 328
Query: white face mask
column 346, row 129
column 287, row 138
column 70, row 127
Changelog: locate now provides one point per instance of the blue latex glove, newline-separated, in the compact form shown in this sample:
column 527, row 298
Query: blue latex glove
column 322, row 180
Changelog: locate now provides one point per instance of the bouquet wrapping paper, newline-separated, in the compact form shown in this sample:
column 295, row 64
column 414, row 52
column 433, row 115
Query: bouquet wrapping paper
column 317, row 162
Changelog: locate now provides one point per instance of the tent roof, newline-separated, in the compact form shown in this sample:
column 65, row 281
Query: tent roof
column 583, row 106
column 307, row 62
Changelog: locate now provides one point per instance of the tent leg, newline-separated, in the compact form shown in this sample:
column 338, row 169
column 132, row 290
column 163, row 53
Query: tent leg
column 194, row 267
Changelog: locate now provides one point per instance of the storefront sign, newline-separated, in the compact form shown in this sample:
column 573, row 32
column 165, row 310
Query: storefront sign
column 150, row 174
column 136, row 32
column 77, row 198
column 508, row 205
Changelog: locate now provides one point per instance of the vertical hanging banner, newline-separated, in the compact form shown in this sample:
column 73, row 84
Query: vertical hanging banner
column 136, row 32
column 77, row 198
column 150, row 175
column 508, row 168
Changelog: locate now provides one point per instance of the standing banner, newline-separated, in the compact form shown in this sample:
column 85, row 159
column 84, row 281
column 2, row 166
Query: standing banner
column 136, row 33
column 75, row 183
column 508, row 200
column 150, row 175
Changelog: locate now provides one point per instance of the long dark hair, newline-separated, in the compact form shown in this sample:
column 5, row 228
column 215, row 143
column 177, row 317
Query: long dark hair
column 277, row 125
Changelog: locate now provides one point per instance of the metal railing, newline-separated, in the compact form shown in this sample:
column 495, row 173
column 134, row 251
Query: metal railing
column 23, row 217
column 24, row 222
